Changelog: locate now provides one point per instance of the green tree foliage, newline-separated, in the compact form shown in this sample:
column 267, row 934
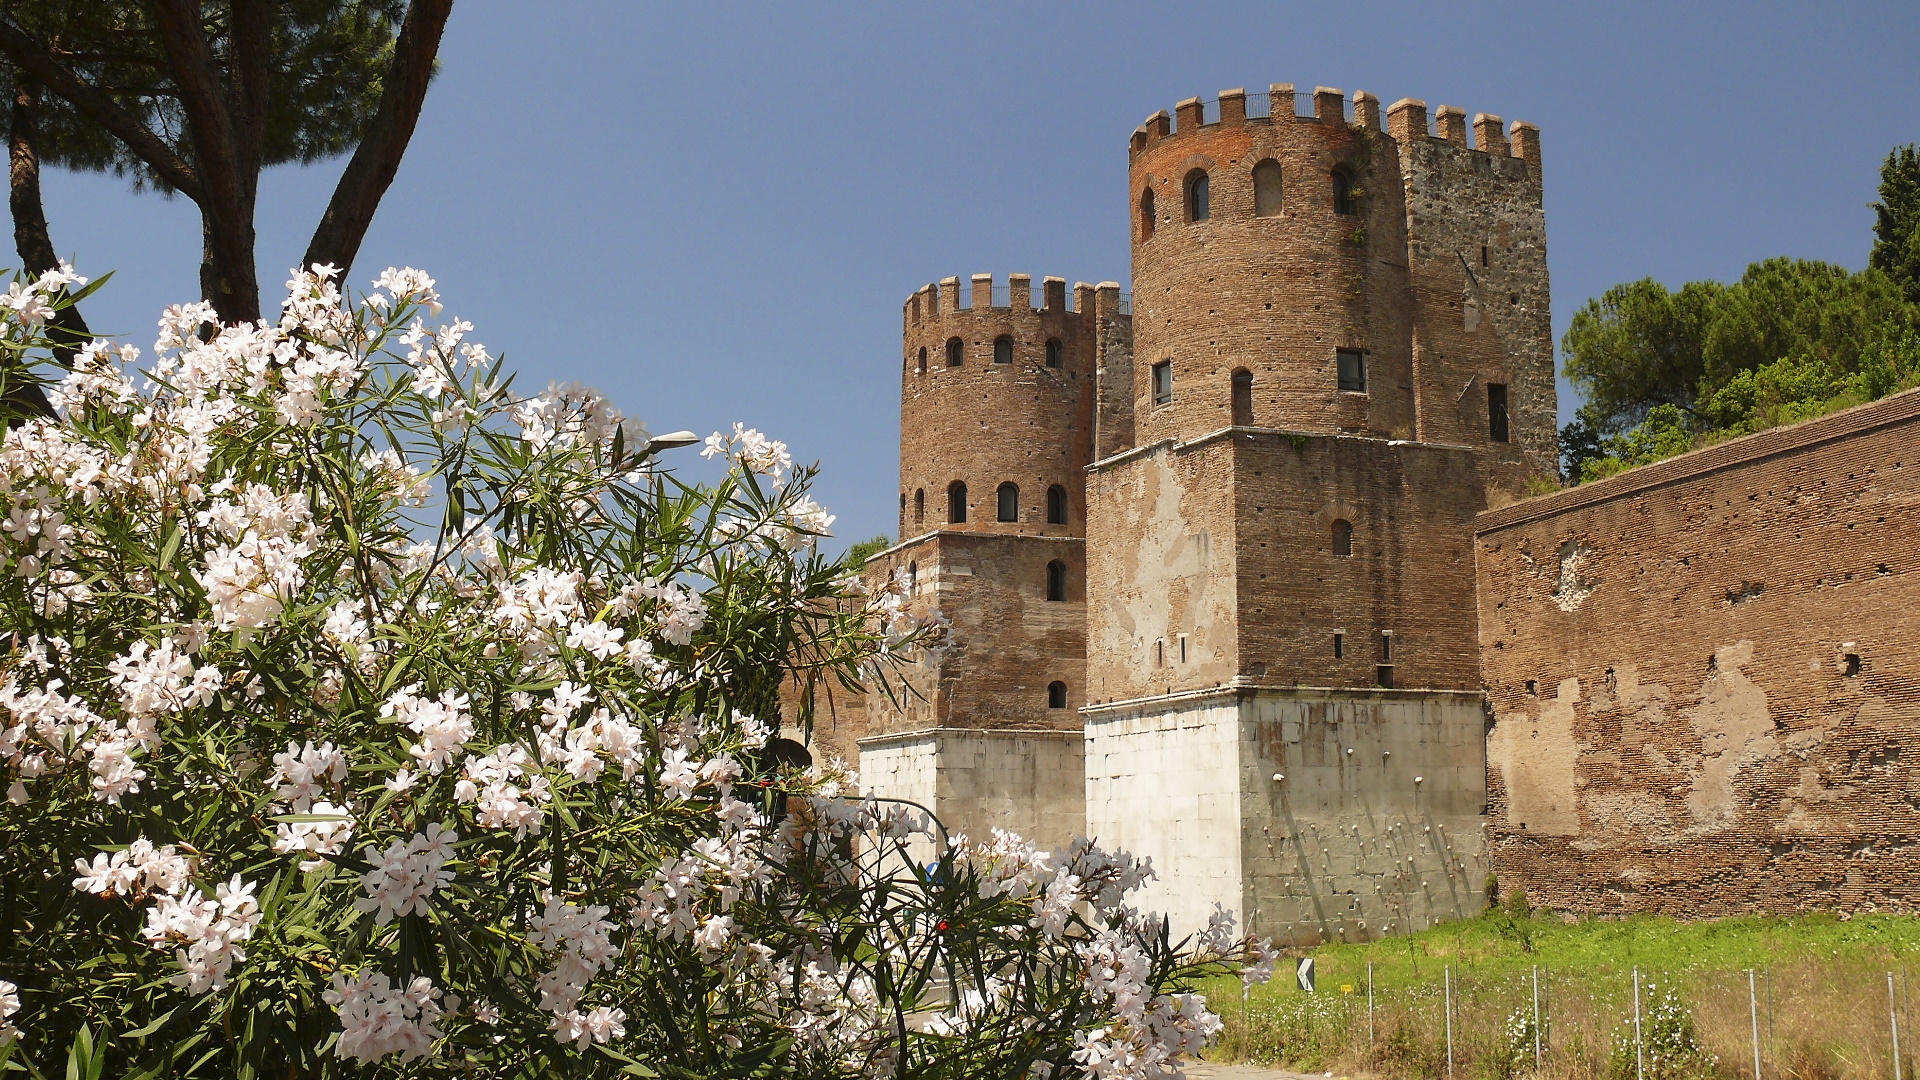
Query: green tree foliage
column 1896, row 225
column 1664, row 371
column 858, row 554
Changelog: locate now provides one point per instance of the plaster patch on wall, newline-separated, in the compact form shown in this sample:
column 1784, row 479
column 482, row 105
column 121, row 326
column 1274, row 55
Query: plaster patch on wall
column 1538, row 762
column 1629, row 812
column 1735, row 730
column 1572, row 587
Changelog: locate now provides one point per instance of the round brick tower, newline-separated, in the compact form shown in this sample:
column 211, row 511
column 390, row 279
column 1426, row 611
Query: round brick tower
column 1269, row 270
column 997, row 393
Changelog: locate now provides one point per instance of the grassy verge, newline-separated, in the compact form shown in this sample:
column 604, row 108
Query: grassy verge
column 1819, row 990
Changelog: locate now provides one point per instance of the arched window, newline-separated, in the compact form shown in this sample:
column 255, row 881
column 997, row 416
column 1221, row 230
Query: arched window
column 1342, row 538
column 1009, row 501
column 1053, row 352
column 923, row 360
column 903, row 506
column 1003, row 350
column 919, row 506
column 1056, row 695
column 1266, row 189
column 1056, row 580
column 956, row 503
column 1343, row 192
column 1146, row 215
column 956, row 351
column 1199, row 207
column 913, row 576
column 1242, row 397
column 1056, row 505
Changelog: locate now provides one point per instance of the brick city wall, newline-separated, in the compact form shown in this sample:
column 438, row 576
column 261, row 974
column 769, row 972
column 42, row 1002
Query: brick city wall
column 1476, row 245
column 1703, row 673
column 1228, row 542
column 1008, row 641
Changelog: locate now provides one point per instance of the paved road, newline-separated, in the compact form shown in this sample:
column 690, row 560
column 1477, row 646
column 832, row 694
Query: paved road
column 1203, row 1070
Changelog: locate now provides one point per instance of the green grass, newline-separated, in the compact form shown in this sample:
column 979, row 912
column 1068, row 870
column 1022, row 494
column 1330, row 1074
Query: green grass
column 1812, row 968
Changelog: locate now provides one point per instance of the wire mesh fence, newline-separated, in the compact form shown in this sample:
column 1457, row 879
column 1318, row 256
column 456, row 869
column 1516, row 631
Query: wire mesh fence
column 1806, row 1021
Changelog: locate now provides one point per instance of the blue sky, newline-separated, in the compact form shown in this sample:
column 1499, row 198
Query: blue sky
column 714, row 212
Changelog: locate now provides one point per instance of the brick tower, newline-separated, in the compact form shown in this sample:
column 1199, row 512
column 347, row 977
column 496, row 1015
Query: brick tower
column 1341, row 354
column 999, row 405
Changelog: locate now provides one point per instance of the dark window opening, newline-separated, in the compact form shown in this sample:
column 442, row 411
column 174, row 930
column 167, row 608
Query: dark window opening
column 1160, row 652
column 1853, row 664
column 1485, row 258
column 1266, row 189
column 1056, row 505
column 1497, row 412
column 1053, row 352
column 1056, row 580
column 1003, row 350
column 1198, row 198
column 923, row 360
column 919, row 506
column 1242, row 397
column 1146, row 214
column 956, row 503
column 1343, row 537
column 956, row 351
column 1353, row 370
column 1009, row 494
column 1183, row 648
column 1056, row 695
column 1343, row 192
column 1339, row 646
column 1163, row 382
column 1386, row 647
column 903, row 506
column 913, row 576
column 1383, row 675
column 1533, row 688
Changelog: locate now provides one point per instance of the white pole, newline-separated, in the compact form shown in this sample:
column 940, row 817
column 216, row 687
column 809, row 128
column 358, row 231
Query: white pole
column 1893, row 1022
column 1753, row 1008
column 1536, row 1018
column 1450, row 1021
column 1639, row 1053
column 1369, row 1006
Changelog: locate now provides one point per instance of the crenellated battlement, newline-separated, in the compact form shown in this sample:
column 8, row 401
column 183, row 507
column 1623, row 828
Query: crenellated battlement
column 982, row 293
column 1406, row 119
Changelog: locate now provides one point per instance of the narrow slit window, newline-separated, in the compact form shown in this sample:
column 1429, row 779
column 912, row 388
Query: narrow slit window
column 956, row 503
column 956, row 352
column 1146, row 215
column 913, row 576
column 1343, row 538
column 1056, row 695
column 1486, row 258
column 1352, row 364
column 1163, row 382
column 1054, row 352
column 1386, row 647
column 1183, row 648
column 920, row 506
column 1160, row 652
column 1056, row 505
column 1056, row 580
column 1009, row 499
column 1497, row 412
column 1339, row 646
column 923, row 361
column 1003, row 350
column 1266, row 189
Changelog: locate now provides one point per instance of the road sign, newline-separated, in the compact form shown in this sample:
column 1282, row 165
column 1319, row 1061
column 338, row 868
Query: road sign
column 1305, row 974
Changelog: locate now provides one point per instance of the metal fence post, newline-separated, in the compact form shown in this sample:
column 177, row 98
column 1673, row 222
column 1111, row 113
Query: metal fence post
column 1370, row 1038
column 1893, row 1024
column 1639, row 1051
column 1536, row 1018
column 1449, row 984
column 1753, row 1009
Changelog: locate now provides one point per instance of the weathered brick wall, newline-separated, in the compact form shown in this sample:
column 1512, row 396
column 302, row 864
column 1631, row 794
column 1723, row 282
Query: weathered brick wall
column 1409, row 577
column 1275, row 295
column 1477, row 250
column 1704, row 680
column 1009, row 642
column 985, row 423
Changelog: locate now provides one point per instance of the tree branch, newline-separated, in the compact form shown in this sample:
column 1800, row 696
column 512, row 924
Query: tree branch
column 377, row 159
column 252, row 59
column 227, row 276
column 33, row 58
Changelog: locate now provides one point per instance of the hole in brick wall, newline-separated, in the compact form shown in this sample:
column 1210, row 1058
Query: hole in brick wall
column 1533, row 688
column 1884, row 570
column 1852, row 664
column 1713, row 666
column 1748, row 590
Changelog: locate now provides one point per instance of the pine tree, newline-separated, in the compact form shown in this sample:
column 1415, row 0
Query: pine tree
column 1896, row 227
